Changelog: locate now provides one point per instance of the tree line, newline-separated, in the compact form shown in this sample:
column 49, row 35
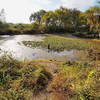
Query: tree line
column 67, row 20
column 60, row 20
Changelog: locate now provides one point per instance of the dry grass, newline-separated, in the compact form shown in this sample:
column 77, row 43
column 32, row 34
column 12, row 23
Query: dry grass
column 79, row 81
column 19, row 80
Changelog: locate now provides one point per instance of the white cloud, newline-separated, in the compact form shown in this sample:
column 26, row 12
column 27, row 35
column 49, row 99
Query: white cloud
column 18, row 11
column 43, row 1
column 80, row 4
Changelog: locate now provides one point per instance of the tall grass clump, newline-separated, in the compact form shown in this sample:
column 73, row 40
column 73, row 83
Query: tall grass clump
column 79, row 81
column 20, row 79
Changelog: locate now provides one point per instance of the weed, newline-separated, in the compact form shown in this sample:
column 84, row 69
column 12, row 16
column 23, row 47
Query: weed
column 79, row 81
column 16, row 77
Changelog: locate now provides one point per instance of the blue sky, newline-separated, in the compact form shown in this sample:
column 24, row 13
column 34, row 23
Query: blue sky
column 18, row 11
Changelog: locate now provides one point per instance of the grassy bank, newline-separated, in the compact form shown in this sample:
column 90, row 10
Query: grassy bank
column 77, row 81
column 74, row 81
column 20, row 79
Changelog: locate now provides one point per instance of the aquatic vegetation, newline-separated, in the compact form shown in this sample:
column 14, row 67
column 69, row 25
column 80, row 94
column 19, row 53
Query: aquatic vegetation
column 20, row 79
column 75, row 81
column 19, row 43
column 60, row 44
column 54, row 43
column 79, row 81
column 1, row 38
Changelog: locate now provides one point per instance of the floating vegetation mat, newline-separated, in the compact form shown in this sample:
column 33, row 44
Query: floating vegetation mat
column 60, row 44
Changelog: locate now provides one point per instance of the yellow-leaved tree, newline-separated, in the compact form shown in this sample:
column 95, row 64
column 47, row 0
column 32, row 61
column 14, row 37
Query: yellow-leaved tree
column 93, row 20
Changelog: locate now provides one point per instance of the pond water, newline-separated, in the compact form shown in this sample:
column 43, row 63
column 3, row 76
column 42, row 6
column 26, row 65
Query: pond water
column 12, row 43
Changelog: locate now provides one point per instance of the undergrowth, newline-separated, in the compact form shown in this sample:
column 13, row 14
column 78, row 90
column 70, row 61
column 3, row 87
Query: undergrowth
column 20, row 79
column 79, row 81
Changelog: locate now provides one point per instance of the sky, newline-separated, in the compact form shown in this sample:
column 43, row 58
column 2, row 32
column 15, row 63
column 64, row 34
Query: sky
column 19, row 11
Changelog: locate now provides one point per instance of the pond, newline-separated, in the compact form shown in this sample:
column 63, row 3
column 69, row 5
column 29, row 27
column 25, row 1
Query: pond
column 12, row 43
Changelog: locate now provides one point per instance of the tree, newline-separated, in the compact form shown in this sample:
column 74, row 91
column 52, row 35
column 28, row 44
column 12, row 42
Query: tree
column 37, row 16
column 75, row 17
column 47, row 18
column 20, row 27
column 35, row 26
column 61, row 17
column 93, row 20
column 2, row 15
column 4, row 27
column 72, row 16
column 83, row 18
column 56, row 20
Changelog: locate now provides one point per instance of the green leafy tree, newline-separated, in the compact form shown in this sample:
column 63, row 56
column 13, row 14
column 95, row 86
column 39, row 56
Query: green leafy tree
column 35, row 26
column 75, row 17
column 37, row 16
column 71, row 18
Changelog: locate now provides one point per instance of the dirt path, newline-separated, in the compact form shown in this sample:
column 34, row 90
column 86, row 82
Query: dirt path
column 46, row 93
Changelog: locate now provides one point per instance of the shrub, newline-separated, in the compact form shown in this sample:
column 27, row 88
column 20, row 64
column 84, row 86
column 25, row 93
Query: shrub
column 79, row 81
column 19, row 79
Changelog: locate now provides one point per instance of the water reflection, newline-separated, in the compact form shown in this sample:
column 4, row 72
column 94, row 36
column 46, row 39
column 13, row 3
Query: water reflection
column 13, row 43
